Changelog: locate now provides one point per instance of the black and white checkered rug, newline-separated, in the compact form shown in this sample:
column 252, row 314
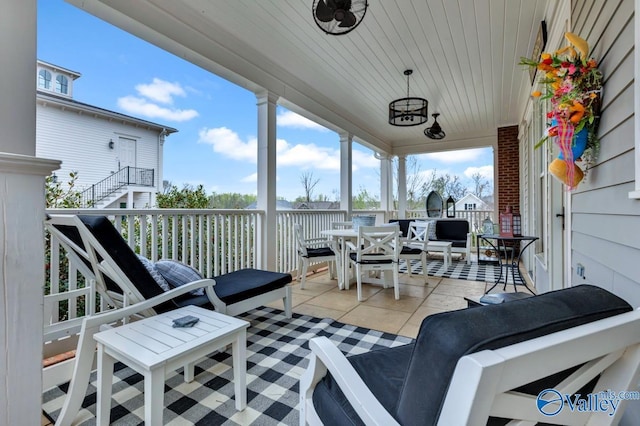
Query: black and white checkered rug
column 460, row 270
column 277, row 355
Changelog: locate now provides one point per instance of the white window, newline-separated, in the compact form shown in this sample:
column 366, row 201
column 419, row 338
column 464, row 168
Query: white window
column 62, row 84
column 44, row 79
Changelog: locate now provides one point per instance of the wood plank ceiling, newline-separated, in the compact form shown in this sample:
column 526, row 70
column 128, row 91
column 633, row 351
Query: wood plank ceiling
column 464, row 55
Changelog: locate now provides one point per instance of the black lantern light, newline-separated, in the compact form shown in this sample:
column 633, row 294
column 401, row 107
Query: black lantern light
column 409, row 111
column 451, row 207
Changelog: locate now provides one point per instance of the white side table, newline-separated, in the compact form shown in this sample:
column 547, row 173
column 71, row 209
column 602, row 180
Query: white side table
column 152, row 347
column 444, row 247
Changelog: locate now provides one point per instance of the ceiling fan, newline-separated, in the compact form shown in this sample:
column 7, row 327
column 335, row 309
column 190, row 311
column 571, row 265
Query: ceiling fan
column 337, row 17
column 435, row 131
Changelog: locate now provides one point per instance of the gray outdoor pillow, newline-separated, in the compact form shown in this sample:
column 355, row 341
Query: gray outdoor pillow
column 432, row 229
column 178, row 274
column 154, row 273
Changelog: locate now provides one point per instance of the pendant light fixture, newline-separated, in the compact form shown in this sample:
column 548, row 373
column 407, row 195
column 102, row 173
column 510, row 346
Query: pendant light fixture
column 409, row 111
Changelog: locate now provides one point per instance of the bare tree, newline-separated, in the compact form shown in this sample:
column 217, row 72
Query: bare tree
column 447, row 185
column 308, row 182
column 417, row 182
column 480, row 184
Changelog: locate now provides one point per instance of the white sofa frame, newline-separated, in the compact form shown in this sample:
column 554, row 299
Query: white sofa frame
column 482, row 382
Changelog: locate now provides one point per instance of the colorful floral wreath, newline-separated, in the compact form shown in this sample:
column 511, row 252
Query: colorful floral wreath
column 573, row 84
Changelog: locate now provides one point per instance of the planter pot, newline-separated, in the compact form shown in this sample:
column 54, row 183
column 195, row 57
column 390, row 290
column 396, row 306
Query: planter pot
column 579, row 145
column 568, row 172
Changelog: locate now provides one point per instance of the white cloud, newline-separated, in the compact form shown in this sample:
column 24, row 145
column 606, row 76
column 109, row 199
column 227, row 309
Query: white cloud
column 158, row 91
column 360, row 159
column 485, row 171
column 308, row 156
column 227, row 142
column 450, row 157
column 161, row 91
column 250, row 179
column 291, row 119
column 139, row 106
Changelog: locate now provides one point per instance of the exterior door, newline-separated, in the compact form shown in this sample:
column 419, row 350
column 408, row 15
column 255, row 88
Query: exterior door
column 127, row 152
column 552, row 204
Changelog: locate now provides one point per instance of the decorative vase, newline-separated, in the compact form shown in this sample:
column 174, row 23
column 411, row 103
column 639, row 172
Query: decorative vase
column 579, row 145
column 560, row 168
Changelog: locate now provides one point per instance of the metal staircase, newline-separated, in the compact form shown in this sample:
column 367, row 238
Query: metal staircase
column 124, row 177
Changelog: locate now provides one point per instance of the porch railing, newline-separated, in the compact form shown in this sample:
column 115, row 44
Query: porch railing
column 109, row 185
column 214, row 242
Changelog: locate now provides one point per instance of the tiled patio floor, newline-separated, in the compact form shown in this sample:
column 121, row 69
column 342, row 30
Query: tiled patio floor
column 380, row 311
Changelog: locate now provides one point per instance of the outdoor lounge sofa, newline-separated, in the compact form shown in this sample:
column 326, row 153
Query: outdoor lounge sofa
column 484, row 365
column 122, row 277
column 100, row 252
column 455, row 231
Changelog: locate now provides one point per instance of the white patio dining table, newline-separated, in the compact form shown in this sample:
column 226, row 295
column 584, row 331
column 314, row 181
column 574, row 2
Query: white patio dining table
column 341, row 236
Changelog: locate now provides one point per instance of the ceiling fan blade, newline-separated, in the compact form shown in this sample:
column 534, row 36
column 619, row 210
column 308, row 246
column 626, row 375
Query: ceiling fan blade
column 323, row 12
column 349, row 20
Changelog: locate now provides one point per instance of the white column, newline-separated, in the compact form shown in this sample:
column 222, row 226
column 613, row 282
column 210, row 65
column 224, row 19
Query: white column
column 21, row 217
column 160, row 169
column 346, row 173
column 402, row 187
column 267, row 178
column 18, row 82
column 386, row 182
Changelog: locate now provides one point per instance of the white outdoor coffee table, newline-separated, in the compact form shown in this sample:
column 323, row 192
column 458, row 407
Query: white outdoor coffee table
column 152, row 347
column 444, row 247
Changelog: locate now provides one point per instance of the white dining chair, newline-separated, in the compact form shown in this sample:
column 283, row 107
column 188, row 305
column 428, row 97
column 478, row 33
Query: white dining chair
column 415, row 246
column 377, row 249
column 315, row 250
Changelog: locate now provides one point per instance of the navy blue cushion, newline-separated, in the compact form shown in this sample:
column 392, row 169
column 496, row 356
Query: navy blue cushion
column 403, row 224
column 230, row 288
column 111, row 240
column 382, row 370
column 410, row 250
column 457, row 243
column 240, row 285
column 320, row 252
column 452, row 230
column 444, row 338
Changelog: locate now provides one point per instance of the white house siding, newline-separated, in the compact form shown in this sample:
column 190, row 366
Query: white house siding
column 606, row 223
column 81, row 140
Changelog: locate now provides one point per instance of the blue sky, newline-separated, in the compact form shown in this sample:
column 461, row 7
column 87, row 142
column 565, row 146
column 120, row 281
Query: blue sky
column 217, row 120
